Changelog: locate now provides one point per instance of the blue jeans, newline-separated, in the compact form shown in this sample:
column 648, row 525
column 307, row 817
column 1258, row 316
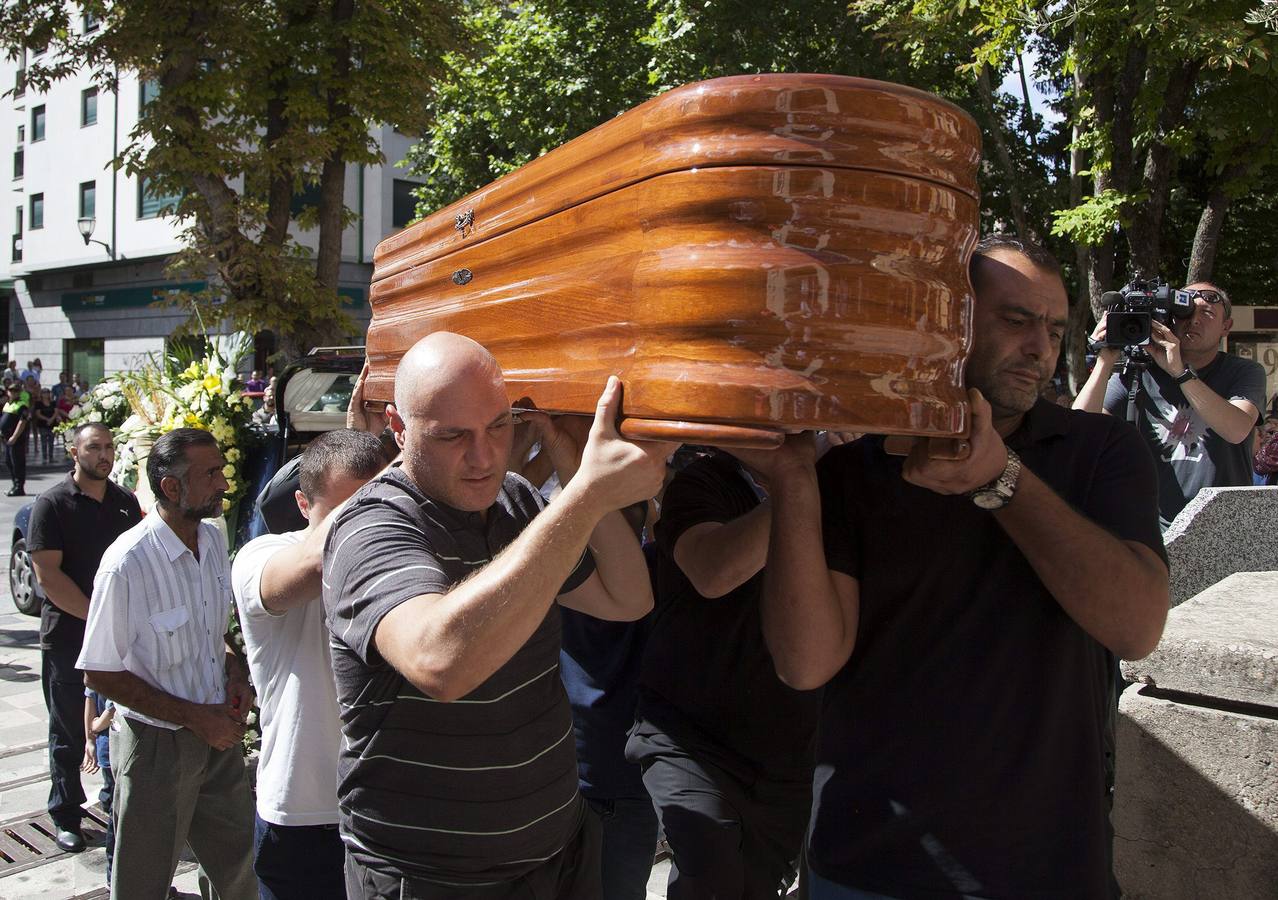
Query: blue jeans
column 298, row 862
column 821, row 889
column 629, row 845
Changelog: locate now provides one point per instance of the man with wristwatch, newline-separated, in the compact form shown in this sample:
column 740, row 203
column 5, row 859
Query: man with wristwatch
column 1197, row 406
column 963, row 617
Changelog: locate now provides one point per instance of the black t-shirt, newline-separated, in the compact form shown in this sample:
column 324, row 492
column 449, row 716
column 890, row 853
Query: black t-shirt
column 478, row 790
column 1189, row 455
column 707, row 679
column 961, row 749
column 67, row 519
column 43, row 413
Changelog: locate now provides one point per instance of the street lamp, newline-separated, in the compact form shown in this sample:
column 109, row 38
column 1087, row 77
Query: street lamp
column 86, row 224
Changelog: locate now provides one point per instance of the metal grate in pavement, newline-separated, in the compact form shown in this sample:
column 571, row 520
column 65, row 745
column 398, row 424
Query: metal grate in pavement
column 29, row 841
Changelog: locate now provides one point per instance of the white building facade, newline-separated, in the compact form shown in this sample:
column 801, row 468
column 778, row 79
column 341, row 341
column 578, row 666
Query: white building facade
column 89, row 308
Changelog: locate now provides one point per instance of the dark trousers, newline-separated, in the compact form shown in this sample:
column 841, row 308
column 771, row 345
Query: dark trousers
column 298, row 862
column 15, row 455
column 571, row 874
column 629, row 845
column 63, row 687
column 729, row 835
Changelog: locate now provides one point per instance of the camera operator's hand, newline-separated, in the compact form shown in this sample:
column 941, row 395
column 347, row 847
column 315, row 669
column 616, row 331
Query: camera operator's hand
column 1164, row 349
column 1107, row 355
column 958, row 476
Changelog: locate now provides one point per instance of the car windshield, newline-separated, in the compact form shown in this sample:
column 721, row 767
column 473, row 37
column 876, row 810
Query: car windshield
column 317, row 401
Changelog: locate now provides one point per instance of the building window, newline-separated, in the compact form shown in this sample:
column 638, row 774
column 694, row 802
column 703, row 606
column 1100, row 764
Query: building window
column 20, row 82
column 403, row 203
column 37, row 211
column 89, row 106
column 309, row 196
column 19, row 158
column 22, row 133
column 151, row 204
column 147, row 91
column 88, row 199
column 16, row 254
column 37, row 123
column 90, row 23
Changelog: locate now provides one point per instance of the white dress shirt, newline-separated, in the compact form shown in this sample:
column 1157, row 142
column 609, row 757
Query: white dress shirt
column 160, row 614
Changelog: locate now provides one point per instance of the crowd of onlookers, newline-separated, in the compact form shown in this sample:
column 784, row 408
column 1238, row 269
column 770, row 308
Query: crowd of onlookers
column 31, row 413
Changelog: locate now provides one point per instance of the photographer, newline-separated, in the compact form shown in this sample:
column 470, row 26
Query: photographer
column 1197, row 406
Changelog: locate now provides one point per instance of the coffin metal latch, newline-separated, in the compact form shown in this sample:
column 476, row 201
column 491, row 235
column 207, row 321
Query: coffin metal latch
column 464, row 222
column 462, row 276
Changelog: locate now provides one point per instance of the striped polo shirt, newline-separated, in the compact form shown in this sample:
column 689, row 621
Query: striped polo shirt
column 479, row 790
column 161, row 614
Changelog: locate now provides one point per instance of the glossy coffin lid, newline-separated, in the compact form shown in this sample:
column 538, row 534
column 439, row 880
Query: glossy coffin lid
column 785, row 251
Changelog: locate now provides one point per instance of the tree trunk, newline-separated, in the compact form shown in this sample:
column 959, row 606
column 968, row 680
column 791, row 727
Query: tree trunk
column 333, row 173
column 1202, row 259
column 1004, row 156
column 1144, row 235
column 1030, row 128
column 1079, row 318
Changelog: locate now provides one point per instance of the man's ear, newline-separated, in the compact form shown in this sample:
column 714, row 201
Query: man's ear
column 1225, row 326
column 303, row 505
column 396, row 422
column 172, row 488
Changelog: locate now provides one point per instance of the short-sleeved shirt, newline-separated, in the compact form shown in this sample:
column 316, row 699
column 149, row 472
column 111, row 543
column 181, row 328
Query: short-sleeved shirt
column 1189, row 455
column 66, row 518
column 161, row 614
column 961, row 748
column 12, row 415
column 288, row 657
column 708, row 680
column 480, row 789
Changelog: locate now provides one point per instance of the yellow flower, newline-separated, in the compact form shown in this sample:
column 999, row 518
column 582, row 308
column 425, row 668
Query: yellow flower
column 231, row 487
column 212, row 384
column 226, row 505
column 232, row 455
column 228, row 470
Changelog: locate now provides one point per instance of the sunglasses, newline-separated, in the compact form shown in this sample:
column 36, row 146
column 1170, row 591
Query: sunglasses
column 1209, row 296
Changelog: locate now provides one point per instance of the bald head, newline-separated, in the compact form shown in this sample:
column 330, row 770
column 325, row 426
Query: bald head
column 452, row 419
column 436, row 363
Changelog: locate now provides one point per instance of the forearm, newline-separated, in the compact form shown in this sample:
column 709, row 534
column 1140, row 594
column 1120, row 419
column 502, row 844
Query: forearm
column 622, row 569
column 447, row 645
column 130, row 691
column 1228, row 421
column 1091, row 397
column 719, row 558
column 62, row 591
column 293, row 575
column 1115, row 593
column 807, row 629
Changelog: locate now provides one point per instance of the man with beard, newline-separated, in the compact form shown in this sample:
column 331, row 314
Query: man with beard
column 1197, row 407
column 963, row 617
column 155, row 644
column 72, row 525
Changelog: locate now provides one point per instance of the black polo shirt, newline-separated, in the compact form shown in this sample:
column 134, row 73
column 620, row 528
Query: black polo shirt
column 478, row 790
column 961, row 748
column 708, row 680
column 66, row 518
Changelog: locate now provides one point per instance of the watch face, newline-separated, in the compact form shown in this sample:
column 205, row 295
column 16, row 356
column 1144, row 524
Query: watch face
column 989, row 499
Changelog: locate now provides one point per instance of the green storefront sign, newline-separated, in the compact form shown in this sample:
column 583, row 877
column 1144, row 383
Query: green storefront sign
column 133, row 297
column 128, row 297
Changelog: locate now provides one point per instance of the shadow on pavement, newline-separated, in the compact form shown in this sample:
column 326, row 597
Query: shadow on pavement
column 20, row 637
column 17, row 673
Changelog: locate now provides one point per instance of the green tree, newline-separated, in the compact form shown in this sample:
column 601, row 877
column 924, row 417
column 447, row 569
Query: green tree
column 256, row 102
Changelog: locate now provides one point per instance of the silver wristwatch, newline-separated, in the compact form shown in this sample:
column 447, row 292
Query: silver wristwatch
column 998, row 493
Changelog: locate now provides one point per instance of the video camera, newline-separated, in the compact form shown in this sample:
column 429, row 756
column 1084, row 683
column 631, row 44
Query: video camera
column 1134, row 309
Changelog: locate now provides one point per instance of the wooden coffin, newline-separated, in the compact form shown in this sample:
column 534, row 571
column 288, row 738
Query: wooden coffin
column 751, row 255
